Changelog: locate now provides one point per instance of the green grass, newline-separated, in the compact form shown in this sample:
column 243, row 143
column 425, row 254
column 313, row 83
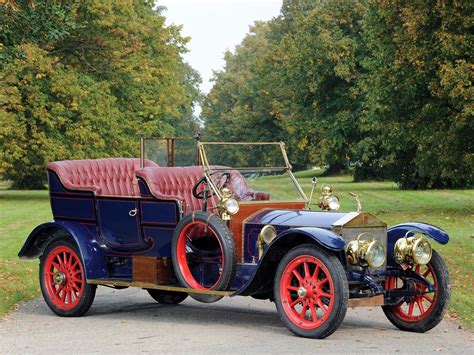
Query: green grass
column 452, row 210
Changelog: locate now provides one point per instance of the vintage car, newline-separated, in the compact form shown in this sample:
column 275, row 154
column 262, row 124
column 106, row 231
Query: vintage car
column 226, row 225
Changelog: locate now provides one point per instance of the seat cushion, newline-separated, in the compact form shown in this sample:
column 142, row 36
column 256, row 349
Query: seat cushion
column 105, row 177
column 178, row 182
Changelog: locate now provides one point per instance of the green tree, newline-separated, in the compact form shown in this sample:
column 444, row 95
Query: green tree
column 105, row 70
column 418, row 117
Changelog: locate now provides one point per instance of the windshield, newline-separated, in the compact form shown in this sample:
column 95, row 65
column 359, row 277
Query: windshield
column 263, row 167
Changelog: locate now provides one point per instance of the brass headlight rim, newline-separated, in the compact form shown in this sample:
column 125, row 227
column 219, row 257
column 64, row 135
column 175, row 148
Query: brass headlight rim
column 224, row 204
column 416, row 243
column 370, row 246
column 264, row 230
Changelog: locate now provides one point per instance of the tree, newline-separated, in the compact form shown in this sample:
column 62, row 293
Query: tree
column 115, row 60
column 419, row 106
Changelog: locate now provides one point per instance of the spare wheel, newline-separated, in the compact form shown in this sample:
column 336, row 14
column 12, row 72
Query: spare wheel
column 203, row 254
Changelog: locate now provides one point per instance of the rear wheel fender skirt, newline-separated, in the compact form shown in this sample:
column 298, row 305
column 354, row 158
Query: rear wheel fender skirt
column 86, row 239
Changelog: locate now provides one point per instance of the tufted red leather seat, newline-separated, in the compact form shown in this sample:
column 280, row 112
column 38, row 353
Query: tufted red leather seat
column 178, row 182
column 110, row 177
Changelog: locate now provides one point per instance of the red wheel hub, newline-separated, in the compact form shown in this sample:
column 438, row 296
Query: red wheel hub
column 64, row 277
column 307, row 292
column 181, row 253
column 418, row 307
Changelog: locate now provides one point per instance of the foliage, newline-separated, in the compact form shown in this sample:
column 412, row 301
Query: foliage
column 419, row 107
column 384, row 86
column 83, row 79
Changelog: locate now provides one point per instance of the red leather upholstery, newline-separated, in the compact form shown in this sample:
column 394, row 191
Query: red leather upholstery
column 111, row 176
column 177, row 183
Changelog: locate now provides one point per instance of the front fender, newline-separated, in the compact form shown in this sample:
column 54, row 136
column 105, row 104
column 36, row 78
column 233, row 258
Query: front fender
column 84, row 235
column 262, row 279
column 400, row 230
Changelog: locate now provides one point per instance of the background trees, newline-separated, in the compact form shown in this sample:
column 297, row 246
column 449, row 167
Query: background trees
column 83, row 79
column 384, row 86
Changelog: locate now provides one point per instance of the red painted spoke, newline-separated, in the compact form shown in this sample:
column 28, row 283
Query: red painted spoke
column 294, row 303
column 74, row 264
column 419, row 302
column 298, row 276
column 427, row 272
column 56, row 292
column 78, row 288
column 63, row 295
column 315, row 273
column 55, row 266
column 417, row 269
column 325, row 294
column 303, row 312
column 313, row 312
column 322, row 282
column 410, row 308
column 428, row 298
column 307, row 275
column 292, row 288
column 75, row 279
column 322, row 305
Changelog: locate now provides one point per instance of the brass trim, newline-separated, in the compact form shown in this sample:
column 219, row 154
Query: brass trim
column 156, row 287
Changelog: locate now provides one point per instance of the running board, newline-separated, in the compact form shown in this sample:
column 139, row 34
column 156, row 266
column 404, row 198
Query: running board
column 366, row 301
column 122, row 283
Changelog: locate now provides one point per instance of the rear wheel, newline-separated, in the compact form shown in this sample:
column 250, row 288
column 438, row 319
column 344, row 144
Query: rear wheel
column 423, row 311
column 62, row 279
column 311, row 292
column 165, row 297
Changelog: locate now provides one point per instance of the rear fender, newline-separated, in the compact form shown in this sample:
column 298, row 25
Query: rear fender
column 261, row 281
column 400, row 230
column 84, row 235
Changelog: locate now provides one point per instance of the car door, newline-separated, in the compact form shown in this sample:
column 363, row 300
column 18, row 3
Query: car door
column 119, row 222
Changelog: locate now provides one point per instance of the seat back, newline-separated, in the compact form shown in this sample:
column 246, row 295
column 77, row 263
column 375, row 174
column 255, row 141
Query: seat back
column 105, row 177
column 178, row 183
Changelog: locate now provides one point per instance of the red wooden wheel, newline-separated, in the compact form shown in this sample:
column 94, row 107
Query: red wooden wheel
column 311, row 291
column 423, row 310
column 64, row 277
column 307, row 292
column 417, row 307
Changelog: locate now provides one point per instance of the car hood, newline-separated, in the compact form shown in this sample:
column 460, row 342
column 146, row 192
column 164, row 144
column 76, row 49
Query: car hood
column 302, row 218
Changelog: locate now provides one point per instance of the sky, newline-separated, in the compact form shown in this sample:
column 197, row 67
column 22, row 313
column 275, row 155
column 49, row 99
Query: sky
column 215, row 26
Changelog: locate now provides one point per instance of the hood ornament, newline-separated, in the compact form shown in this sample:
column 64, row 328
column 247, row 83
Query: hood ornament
column 356, row 197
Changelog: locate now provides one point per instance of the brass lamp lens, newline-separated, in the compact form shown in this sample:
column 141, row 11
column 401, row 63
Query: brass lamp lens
column 422, row 251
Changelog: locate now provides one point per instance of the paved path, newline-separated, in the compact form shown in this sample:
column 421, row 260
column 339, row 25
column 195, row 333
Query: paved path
column 129, row 321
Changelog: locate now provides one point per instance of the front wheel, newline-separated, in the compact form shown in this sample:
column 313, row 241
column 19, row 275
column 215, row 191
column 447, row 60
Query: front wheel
column 62, row 280
column 311, row 291
column 423, row 311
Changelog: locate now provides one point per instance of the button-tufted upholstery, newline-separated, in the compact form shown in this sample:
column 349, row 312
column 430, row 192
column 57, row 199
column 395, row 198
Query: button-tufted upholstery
column 110, row 177
column 178, row 182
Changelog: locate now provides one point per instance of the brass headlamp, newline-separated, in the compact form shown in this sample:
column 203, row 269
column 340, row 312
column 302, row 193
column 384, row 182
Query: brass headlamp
column 228, row 205
column 414, row 249
column 327, row 201
column 366, row 253
column 266, row 235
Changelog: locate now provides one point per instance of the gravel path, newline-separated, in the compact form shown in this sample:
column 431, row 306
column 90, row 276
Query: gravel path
column 129, row 321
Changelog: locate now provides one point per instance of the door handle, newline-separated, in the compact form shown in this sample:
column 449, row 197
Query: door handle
column 133, row 213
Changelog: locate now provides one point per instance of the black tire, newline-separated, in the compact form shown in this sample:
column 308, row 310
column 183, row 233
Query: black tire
column 227, row 250
column 311, row 291
column 435, row 310
column 78, row 295
column 167, row 297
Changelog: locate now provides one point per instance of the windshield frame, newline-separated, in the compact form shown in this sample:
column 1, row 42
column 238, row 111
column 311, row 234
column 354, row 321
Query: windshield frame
column 208, row 169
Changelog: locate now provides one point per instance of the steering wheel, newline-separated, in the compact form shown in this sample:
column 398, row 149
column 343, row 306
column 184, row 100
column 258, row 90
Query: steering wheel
column 206, row 193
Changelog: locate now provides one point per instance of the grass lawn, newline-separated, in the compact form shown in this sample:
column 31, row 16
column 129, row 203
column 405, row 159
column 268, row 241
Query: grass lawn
column 452, row 210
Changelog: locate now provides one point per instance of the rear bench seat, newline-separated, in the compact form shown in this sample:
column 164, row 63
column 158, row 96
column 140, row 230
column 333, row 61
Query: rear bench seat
column 105, row 177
